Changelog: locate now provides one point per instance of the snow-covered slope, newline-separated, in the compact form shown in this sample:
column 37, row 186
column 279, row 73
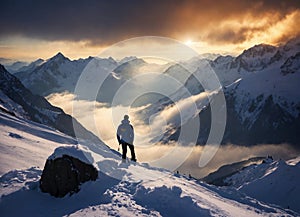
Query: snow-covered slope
column 122, row 189
column 32, row 66
column 217, row 177
column 275, row 182
column 19, row 101
column 25, row 143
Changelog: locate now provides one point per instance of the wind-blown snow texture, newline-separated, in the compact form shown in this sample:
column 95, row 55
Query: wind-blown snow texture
column 141, row 191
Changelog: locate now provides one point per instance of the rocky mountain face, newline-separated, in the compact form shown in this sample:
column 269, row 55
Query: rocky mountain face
column 17, row 100
column 264, row 106
column 261, row 88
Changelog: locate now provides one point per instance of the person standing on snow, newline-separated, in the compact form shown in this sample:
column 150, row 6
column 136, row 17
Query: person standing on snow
column 125, row 136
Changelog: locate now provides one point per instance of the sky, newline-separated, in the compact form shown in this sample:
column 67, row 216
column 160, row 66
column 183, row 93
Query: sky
column 32, row 29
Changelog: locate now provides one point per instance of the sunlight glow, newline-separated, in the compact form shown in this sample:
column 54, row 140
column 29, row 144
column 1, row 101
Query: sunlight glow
column 188, row 42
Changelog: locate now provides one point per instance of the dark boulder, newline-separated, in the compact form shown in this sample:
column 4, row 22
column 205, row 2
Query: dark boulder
column 64, row 175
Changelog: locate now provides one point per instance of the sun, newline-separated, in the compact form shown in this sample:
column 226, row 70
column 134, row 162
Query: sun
column 188, row 42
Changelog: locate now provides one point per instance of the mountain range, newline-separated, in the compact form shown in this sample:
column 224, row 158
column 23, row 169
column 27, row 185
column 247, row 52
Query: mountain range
column 261, row 89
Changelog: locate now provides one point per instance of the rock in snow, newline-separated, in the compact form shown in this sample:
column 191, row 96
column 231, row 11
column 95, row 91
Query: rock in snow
column 63, row 173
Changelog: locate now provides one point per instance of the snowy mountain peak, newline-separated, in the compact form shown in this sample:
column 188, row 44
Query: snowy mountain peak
column 38, row 61
column 255, row 58
column 222, row 59
column 32, row 65
column 127, row 59
column 259, row 50
column 130, row 66
column 292, row 44
column 222, row 62
column 111, row 59
column 58, row 57
column 291, row 65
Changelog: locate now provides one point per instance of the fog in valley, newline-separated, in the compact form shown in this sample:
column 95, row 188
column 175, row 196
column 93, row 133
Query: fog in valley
column 106, row 120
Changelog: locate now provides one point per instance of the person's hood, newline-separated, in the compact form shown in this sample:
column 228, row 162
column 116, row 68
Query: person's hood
column 125, row 121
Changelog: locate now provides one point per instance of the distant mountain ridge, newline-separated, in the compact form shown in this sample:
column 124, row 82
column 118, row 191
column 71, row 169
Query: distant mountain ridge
column 31, row 66
column 56, row 74
column 60, row 74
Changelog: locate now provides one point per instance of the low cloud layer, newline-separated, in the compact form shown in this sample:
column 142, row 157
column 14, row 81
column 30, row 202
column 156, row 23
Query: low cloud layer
column 106, row 120
column 228, row 154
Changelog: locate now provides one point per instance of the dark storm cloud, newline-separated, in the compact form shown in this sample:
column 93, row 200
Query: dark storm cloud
column 114, row 20
column 93, row 20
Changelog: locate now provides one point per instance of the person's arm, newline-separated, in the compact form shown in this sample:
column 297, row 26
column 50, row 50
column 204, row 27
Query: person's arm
column 118, row 135
column 132, row 133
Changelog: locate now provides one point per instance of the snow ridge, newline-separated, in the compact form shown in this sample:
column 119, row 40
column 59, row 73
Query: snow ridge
column 274, row 182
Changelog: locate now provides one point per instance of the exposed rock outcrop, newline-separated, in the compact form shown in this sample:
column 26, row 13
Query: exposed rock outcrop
column 65, row 174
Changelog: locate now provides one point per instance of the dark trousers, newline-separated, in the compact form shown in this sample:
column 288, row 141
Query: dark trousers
column 124, row 148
